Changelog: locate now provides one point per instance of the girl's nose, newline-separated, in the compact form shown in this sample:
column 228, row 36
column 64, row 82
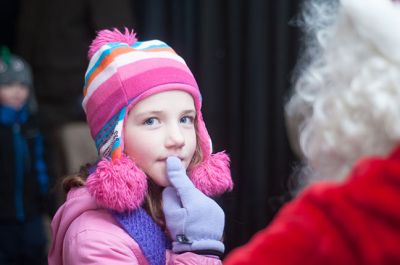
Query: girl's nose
column 174, row 137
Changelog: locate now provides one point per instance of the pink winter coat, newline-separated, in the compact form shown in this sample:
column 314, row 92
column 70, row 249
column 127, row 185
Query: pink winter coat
column 85, row 234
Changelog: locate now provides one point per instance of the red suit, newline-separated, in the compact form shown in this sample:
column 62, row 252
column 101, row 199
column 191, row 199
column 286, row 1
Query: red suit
column 355, row 222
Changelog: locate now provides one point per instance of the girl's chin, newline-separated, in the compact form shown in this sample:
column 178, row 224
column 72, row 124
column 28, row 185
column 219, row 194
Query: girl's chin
column 160, row 179
column 162, row 183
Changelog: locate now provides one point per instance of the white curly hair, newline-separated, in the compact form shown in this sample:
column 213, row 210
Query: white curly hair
column 347, row 89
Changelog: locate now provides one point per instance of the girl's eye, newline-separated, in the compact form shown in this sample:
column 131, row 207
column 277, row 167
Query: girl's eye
column 151, row 121
column 187, row 120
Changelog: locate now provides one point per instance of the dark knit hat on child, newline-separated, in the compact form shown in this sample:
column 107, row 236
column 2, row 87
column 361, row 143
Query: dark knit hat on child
column 14, row 69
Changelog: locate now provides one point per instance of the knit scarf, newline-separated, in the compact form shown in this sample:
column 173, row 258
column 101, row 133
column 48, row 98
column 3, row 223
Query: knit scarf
column 149, row 236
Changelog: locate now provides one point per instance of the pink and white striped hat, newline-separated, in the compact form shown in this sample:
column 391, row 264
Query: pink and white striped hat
column 121, row 72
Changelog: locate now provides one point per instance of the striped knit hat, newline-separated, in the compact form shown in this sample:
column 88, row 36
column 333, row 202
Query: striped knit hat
column 122, row 71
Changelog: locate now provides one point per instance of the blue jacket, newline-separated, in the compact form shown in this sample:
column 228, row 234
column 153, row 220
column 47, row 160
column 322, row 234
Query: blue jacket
column 23, row 177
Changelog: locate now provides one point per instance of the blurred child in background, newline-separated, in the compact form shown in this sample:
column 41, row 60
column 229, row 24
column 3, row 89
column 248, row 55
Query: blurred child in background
column 24, row 181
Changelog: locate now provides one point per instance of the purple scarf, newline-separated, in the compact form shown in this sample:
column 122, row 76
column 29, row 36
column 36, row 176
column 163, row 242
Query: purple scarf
column 149, row 236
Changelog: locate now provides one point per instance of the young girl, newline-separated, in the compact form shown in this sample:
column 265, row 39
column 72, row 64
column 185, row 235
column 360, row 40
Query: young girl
column 143, row 109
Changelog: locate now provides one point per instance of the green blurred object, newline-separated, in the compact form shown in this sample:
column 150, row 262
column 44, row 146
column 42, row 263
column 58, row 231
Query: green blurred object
column 5, row 55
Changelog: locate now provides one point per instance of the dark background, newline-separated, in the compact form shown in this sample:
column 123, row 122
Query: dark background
column 242, row 53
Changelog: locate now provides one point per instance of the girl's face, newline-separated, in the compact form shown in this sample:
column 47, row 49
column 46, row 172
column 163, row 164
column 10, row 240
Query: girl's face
column 160, row 126
column 14, row 95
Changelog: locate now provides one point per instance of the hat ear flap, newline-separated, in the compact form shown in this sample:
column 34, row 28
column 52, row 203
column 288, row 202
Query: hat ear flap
column 213, row 176
column 118, row 185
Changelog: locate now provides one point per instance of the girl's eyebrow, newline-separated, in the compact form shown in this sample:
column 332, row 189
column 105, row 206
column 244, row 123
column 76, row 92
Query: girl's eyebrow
column 160, row 112
column 151, row 112
column 189, row 111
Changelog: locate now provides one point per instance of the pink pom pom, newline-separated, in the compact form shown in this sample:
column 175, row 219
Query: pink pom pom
column 213, row 176
column 118, row 185
column 106, row 36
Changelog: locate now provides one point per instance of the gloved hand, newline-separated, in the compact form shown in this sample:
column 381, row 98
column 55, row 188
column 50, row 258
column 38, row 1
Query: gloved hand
column 195, row 221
